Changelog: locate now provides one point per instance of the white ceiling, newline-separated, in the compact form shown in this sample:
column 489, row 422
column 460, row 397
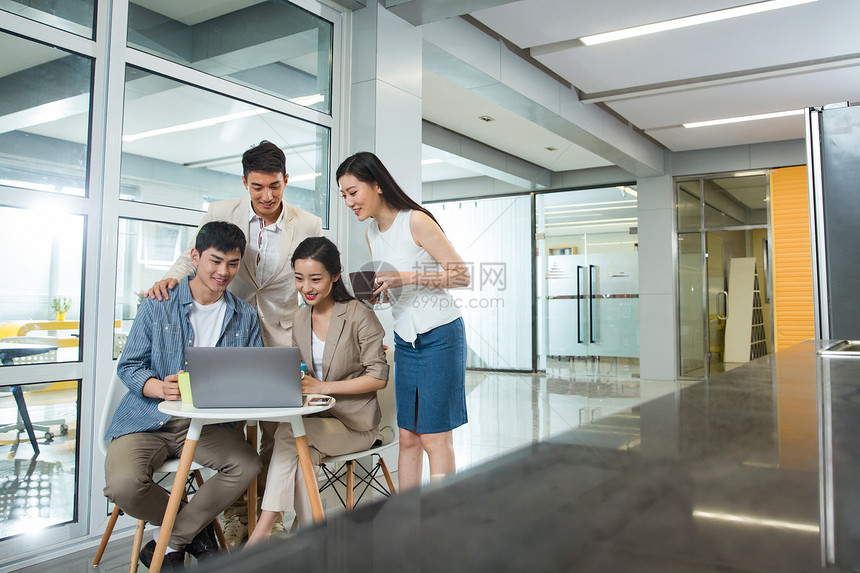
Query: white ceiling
column 792, row 58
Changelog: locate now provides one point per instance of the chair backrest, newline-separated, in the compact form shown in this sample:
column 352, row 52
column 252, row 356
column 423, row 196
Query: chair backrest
column 115, row 393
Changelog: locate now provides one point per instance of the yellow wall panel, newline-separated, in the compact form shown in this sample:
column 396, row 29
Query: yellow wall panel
column 791, row 250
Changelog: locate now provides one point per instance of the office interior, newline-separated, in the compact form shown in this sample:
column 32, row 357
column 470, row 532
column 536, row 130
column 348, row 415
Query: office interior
column 599, row 229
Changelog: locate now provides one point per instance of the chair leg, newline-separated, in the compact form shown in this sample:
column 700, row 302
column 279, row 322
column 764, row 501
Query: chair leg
column 219, row 533
column 387, row 476
column 106, row 537
column 135, row 549
column 350, row 485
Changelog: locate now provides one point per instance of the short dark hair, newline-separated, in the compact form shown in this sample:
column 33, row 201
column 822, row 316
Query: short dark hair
column 266, row 157
column 221, row 236
column 324, row 251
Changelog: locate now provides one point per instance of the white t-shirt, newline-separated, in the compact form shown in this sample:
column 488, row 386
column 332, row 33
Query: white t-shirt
column 206, row 321
column 265, row 243
column 318, row 347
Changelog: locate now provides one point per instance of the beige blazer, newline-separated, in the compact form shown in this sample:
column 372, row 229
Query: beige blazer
column 353, row 347
column 275, row 300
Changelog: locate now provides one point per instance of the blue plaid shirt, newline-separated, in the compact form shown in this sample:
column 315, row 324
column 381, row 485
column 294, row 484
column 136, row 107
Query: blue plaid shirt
column 156, row 348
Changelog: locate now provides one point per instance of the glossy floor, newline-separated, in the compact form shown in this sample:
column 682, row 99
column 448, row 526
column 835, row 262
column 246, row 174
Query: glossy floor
column 507, row 411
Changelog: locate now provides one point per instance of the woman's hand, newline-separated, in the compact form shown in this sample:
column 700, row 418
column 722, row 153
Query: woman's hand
column 311, row 385
column 387, row 280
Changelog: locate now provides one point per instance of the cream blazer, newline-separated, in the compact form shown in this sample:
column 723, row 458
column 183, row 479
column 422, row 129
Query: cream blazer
column 275, row 300
column 353, row 346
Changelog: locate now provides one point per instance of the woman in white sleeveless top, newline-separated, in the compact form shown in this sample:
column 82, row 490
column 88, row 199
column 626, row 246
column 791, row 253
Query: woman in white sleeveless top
column 415, row 264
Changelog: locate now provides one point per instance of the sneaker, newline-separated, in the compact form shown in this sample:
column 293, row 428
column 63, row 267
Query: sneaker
column 235, row 532
column 204, row 545
column 279, row 531
column 173, row 561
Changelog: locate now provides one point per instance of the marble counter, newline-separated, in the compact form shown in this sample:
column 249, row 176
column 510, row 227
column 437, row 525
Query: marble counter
column 724, row 475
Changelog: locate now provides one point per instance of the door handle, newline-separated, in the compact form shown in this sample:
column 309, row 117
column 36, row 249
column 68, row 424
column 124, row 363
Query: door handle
column 591, row 295
column 579, row 269
column 725, row 312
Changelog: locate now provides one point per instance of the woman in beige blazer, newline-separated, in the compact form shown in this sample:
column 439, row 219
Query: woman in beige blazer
column 341, row 342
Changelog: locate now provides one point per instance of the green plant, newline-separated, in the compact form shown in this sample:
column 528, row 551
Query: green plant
column 61, row 304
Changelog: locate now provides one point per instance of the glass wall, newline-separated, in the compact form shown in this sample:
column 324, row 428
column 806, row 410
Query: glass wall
column 145, row 251
column 38, row 477
column 494, row 238
column 44, row 117
column 120, row 123
column 76, row 16
column 274, row 47
column 182, row 146
column 48, row 312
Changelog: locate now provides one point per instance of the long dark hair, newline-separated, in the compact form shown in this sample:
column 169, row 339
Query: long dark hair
column 367, row 167
column 324, row 251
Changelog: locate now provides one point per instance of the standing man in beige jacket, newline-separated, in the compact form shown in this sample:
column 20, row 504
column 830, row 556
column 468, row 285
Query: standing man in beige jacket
column 273, row 228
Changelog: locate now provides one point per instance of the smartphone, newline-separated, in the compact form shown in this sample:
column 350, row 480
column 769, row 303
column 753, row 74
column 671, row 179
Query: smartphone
column 319, row 401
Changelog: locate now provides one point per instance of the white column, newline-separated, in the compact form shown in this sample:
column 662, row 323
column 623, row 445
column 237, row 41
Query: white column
column 385, row 105
column 658, row 315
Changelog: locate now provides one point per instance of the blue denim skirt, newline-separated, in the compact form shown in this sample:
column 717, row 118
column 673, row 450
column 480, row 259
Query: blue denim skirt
column 430, row 379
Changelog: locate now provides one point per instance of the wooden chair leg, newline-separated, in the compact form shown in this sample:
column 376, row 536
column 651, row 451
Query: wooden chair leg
column 219, row 533
column 106, row 537
column 135, row 549
column 387, row 476
column 350, row 485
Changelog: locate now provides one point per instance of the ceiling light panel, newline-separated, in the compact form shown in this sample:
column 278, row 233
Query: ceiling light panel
column 696, row 20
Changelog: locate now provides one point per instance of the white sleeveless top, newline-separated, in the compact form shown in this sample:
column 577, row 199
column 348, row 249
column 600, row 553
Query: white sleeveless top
column 416, row 309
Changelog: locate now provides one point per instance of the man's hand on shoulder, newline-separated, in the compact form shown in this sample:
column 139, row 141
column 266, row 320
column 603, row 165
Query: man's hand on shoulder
column 167, row 389
column 161, row 289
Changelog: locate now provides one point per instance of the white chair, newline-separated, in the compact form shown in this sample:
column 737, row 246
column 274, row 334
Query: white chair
column 346, row 465
column 115, row 393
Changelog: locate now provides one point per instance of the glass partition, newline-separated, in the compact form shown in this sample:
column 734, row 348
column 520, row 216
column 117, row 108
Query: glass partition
column 38, row 468
column 720, row 218
column 691, row 277
column 45, row 314
column 44, row 117
column 273, row 47
column 145, row 250
column 494, row 238
column 182, row 146
column 587, row 258
column 75, row 16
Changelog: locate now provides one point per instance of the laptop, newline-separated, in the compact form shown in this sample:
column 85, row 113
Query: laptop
column 245, row 377
column 362, row 284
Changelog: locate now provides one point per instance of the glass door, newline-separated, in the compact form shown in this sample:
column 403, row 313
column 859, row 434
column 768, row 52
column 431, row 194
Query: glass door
column 720, row 219
column 588, row 283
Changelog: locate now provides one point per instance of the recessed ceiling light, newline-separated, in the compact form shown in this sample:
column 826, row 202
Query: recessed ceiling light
column 743, row 118
column 690, row 21
column 432, row 161
column 486, row 118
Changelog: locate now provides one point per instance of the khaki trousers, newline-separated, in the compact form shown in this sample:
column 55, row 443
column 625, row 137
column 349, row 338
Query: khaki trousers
column 267, row 441
column 285, row 488
column 131, row 460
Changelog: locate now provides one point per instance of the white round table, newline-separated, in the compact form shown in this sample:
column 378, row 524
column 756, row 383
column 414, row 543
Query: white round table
column 200, row 417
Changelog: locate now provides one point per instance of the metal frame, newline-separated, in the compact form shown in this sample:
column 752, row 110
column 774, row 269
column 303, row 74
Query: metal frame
column 816, row 223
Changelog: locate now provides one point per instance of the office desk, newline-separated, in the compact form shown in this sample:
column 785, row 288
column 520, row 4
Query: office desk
column 8, row 352
column 202, row 416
